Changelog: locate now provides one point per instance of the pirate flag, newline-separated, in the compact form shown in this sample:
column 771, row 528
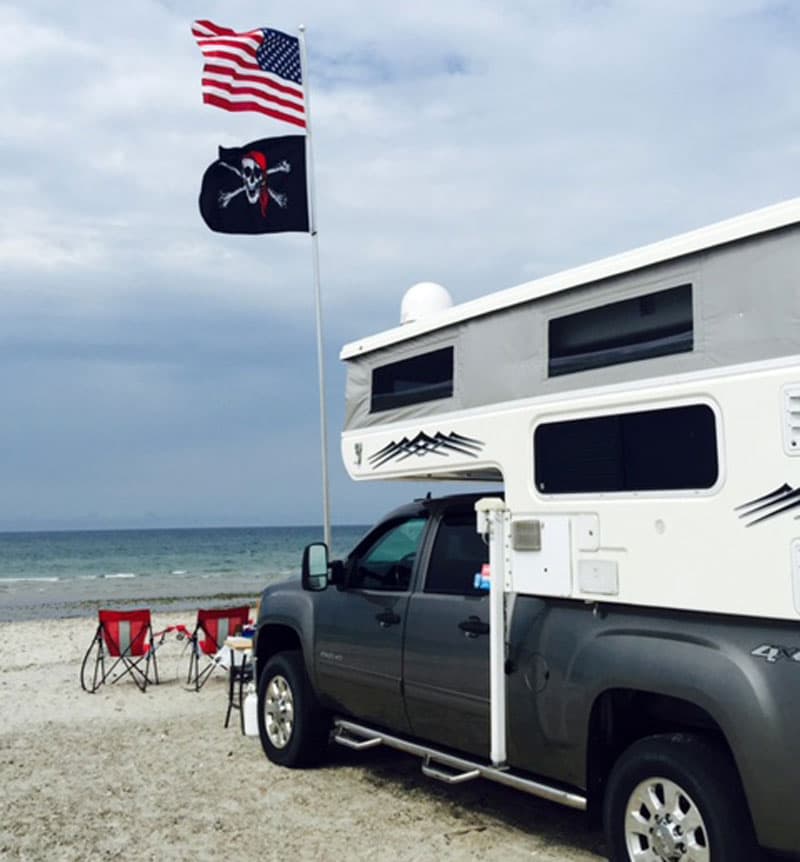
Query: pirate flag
column 257, row 188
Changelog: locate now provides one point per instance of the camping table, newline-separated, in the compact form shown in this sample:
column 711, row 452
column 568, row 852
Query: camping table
column 239, row 673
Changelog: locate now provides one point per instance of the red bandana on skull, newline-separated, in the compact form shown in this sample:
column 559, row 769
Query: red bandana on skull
column 261, row 160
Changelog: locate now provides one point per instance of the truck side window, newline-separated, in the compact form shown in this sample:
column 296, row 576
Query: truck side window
column 387, row 563
column 458, row 554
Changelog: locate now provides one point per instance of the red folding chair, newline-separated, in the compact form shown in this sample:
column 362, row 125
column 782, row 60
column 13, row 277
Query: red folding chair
column 212, row 628
column 126, row 639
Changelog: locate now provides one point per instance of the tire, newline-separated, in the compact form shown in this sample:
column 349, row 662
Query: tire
column 293, row 729
column 677, row 798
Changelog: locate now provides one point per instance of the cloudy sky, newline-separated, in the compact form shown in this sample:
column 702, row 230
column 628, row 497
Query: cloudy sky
column 154, row 373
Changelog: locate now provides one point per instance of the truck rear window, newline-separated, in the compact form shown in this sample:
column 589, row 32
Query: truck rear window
column 458, row 554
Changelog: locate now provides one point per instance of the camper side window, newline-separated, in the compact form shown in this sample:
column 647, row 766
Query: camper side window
column 655, row 324
column 672, row 449
column 411, row 381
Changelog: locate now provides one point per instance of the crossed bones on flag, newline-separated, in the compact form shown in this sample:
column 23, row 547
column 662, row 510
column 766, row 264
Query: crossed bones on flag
column 253, row 173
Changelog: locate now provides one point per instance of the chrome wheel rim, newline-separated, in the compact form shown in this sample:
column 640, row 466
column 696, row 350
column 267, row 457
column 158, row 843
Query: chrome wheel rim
column 279, row 711
column 663, row 824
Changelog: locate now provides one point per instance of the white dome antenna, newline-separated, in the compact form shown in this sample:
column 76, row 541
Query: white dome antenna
column 423, row 299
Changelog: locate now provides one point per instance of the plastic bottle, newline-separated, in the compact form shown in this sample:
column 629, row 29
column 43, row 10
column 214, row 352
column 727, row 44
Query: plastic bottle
column 251, row 711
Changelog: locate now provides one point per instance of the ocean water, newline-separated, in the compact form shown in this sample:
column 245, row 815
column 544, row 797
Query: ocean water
column 73, row 573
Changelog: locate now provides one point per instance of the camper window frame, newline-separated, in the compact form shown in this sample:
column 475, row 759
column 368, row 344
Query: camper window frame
column 623, row 409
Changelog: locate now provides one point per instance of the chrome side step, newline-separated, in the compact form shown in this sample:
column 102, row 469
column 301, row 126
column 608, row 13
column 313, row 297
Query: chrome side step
column 349, row 741
column 449, row 768
column 446, row 775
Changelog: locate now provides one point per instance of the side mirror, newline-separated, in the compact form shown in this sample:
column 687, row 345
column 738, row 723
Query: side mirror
column 315, row 567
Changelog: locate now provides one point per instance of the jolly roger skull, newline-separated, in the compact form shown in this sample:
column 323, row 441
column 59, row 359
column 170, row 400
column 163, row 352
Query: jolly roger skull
column 253, row 176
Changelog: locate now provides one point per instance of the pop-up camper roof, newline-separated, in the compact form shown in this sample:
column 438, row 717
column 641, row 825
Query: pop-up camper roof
column 722, row 295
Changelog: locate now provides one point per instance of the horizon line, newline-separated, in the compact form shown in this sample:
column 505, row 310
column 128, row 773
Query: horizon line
column 109, row 529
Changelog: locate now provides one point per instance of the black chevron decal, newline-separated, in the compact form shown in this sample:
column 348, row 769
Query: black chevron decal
column 424, row 444
column 767, row 506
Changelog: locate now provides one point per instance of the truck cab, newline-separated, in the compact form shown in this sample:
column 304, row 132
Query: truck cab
column 413, row 655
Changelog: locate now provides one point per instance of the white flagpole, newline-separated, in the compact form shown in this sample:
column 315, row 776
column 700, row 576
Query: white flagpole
column 312, row 216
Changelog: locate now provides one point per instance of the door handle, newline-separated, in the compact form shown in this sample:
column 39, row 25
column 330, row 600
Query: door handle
column 387, row 618
column 474, row 626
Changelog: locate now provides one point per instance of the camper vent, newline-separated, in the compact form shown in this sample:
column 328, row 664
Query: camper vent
column 791, row 420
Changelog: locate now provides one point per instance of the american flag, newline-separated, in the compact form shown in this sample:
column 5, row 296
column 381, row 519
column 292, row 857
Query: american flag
column 254, row 71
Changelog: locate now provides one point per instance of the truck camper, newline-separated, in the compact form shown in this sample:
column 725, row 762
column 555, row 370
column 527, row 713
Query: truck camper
column 643, row 410
column 618, row 609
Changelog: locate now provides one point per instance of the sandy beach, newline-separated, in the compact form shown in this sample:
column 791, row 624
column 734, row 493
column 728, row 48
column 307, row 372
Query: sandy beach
column 156, row 776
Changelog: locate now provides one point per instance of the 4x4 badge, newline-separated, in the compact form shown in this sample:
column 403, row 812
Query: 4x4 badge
column 773, row 653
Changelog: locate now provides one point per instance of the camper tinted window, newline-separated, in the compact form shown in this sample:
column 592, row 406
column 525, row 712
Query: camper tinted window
column 655, row 450
column 656, row 324
column 410, row 381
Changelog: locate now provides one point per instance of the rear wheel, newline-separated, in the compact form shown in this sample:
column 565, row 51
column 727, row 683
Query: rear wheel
column 677, row 798
column 293, row 728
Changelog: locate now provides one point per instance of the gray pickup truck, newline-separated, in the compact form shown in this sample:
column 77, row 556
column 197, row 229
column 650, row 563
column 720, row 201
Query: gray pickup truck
column 679, row 729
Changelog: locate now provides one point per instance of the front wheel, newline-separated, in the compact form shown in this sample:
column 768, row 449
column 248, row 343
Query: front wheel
column 677, row 798
column 292, row 727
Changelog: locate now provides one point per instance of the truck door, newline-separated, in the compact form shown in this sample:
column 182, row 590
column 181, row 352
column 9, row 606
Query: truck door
column 446, row 656
column 359, row 630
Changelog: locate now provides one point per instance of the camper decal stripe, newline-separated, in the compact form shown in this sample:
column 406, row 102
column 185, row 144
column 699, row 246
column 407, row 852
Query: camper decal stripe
column 774, row 503
column 423, row 444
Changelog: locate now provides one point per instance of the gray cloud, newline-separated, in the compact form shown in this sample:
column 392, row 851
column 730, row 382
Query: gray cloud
column 153, row 372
